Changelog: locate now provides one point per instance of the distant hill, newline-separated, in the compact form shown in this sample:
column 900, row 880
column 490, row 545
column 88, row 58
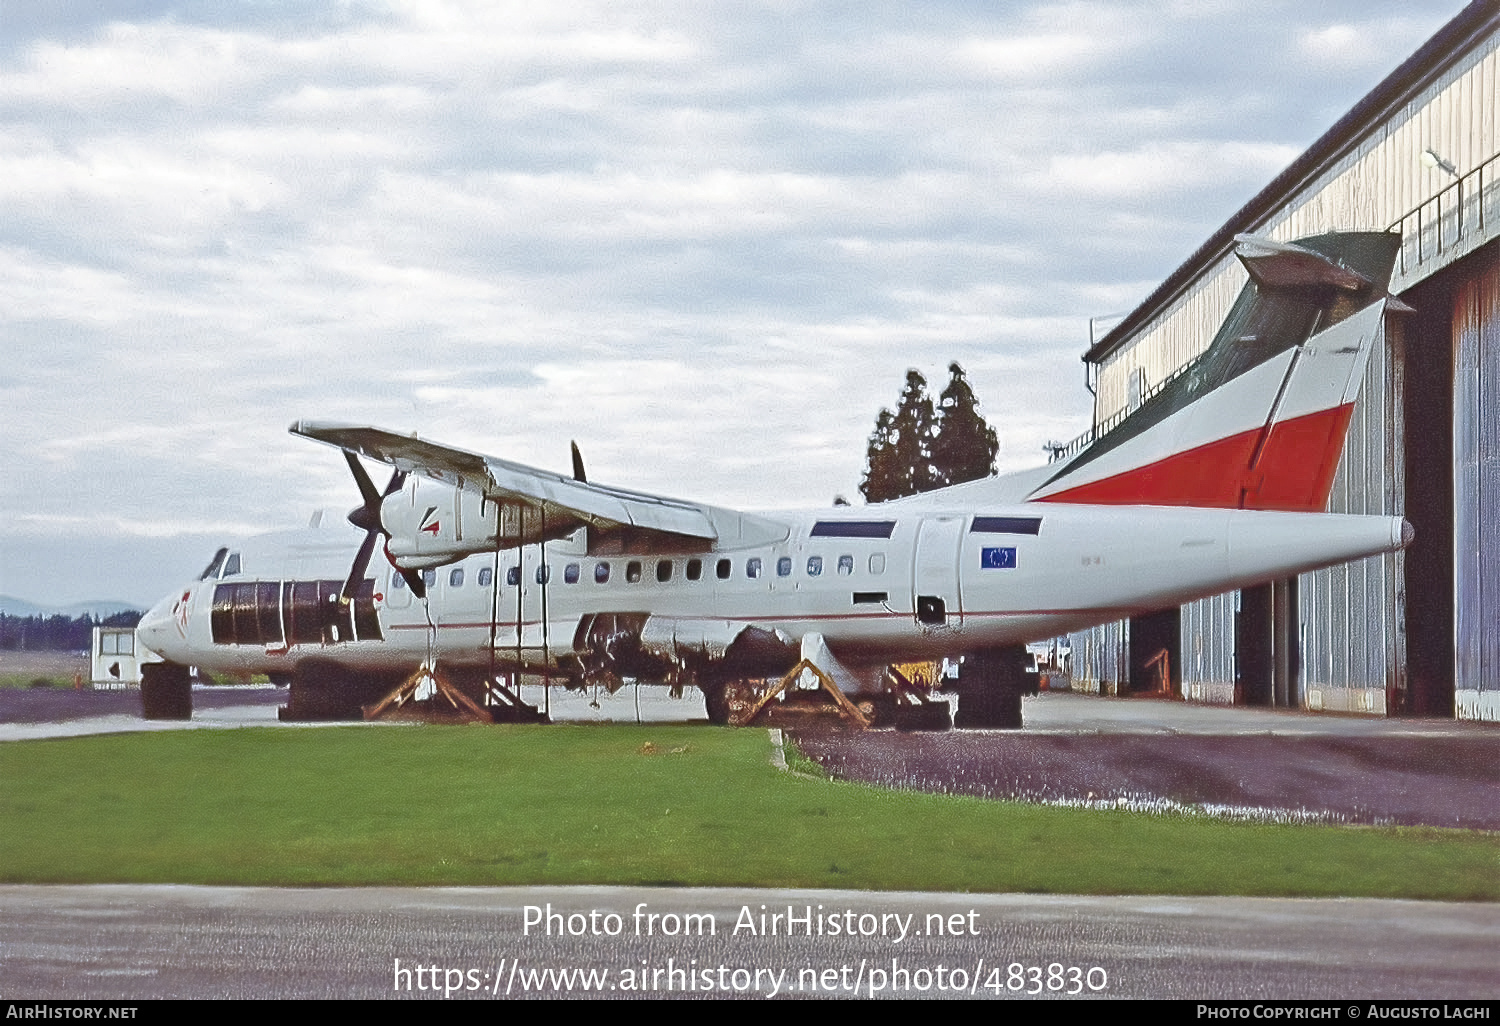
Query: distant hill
column 99, row 608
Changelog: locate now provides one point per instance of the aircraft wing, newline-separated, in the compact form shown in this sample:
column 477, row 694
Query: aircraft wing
column 563, row 500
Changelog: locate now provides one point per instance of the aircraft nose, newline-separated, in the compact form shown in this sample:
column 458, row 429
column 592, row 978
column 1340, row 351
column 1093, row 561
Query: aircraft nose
column 1408, row 533
column 156, row 628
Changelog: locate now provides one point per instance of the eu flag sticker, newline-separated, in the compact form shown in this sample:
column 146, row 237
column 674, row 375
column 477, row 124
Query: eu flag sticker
column 997, row 559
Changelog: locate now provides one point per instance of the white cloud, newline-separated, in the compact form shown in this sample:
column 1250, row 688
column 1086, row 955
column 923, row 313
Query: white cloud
column 705, row 240
column 1168, row 168
column 1374, row 43
column 1036, row 57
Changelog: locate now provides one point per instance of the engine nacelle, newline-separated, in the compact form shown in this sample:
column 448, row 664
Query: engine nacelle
column 431, row 524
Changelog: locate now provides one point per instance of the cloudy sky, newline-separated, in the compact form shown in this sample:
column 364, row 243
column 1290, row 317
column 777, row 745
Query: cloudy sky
column 706, row 240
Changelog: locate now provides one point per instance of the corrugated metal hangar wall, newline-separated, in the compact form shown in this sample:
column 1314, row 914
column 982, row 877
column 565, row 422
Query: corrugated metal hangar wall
column 1413, row 632
column 1476, row 465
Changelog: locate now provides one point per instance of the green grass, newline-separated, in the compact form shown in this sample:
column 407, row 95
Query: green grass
column 629, row 805
column 34, row 680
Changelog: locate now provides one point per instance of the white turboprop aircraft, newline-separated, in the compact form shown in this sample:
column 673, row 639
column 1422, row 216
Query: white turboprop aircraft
column 1216, row 481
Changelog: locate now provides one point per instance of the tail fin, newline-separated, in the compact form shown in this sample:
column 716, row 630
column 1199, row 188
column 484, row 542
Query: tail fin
column 1258, row 421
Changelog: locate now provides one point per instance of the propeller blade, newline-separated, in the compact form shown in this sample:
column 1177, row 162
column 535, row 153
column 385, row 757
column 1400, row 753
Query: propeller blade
column 366, row 486
column 578, row 474
column 367, row 516
column 357, row 571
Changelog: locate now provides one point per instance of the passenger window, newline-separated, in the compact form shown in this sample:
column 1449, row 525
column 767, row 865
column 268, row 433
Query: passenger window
column 512, row 575
column 486, row 575
column 232, row 567
column 543, row 573
column 570, row 573
column 664, row 571
column 456, row 577
column 722, row 570
column 784, row 566
column 694, row 569
column 633, row 571
column 846, row 566
column 752, row 567
column 877, row 562
column 429, row 578
column 814, row 566
column 601, row 573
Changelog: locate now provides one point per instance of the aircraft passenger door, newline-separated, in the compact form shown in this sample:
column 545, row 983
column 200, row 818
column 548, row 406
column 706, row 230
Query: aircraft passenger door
column 397, row 593
column 935, row 595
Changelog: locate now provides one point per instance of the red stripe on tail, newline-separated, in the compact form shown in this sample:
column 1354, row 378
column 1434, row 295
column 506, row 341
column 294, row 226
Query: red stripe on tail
column 1293, row 472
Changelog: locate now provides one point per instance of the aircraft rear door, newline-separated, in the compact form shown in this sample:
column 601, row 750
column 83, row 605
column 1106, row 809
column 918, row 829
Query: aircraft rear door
column 935, row 595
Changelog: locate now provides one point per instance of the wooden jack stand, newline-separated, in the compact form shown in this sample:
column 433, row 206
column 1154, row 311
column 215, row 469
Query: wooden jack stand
column 447, row 704
column 801, row 711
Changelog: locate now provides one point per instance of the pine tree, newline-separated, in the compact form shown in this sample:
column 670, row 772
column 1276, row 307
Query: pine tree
column 884, row 477
column 899, row 457
column 965, row 446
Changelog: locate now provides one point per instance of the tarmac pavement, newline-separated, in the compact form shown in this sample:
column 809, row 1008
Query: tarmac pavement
column 130, row 943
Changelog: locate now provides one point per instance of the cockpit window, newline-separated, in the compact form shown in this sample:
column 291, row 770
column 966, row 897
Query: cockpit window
column 232, row 565
column 214, row 565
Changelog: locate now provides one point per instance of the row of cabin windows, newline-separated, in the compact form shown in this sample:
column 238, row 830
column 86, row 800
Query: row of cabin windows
column 227, row 564
column 693, row 571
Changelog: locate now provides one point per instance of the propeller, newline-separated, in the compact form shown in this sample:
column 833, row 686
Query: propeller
column 366, row 516
column 578, row 474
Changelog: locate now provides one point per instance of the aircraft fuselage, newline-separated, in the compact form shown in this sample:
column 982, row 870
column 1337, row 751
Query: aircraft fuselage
column 880, row 584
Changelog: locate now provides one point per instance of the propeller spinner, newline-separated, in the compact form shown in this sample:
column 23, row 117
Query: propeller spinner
column 367, row 517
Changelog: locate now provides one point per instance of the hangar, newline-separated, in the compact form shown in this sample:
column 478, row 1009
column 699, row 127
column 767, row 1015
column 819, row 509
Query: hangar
column 1409, row 633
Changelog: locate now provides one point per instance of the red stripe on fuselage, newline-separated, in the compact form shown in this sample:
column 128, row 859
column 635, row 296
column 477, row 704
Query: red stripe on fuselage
column 1293, row 473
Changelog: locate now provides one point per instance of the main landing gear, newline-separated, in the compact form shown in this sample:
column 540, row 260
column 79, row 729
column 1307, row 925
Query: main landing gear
column 990, row 685
column 327, row 691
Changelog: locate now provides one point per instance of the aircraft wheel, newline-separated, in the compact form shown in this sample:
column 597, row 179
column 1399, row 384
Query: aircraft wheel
column 990, row 685
column 323, row 691
column 166, row 692
column 716, row 702
column 927, row 716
